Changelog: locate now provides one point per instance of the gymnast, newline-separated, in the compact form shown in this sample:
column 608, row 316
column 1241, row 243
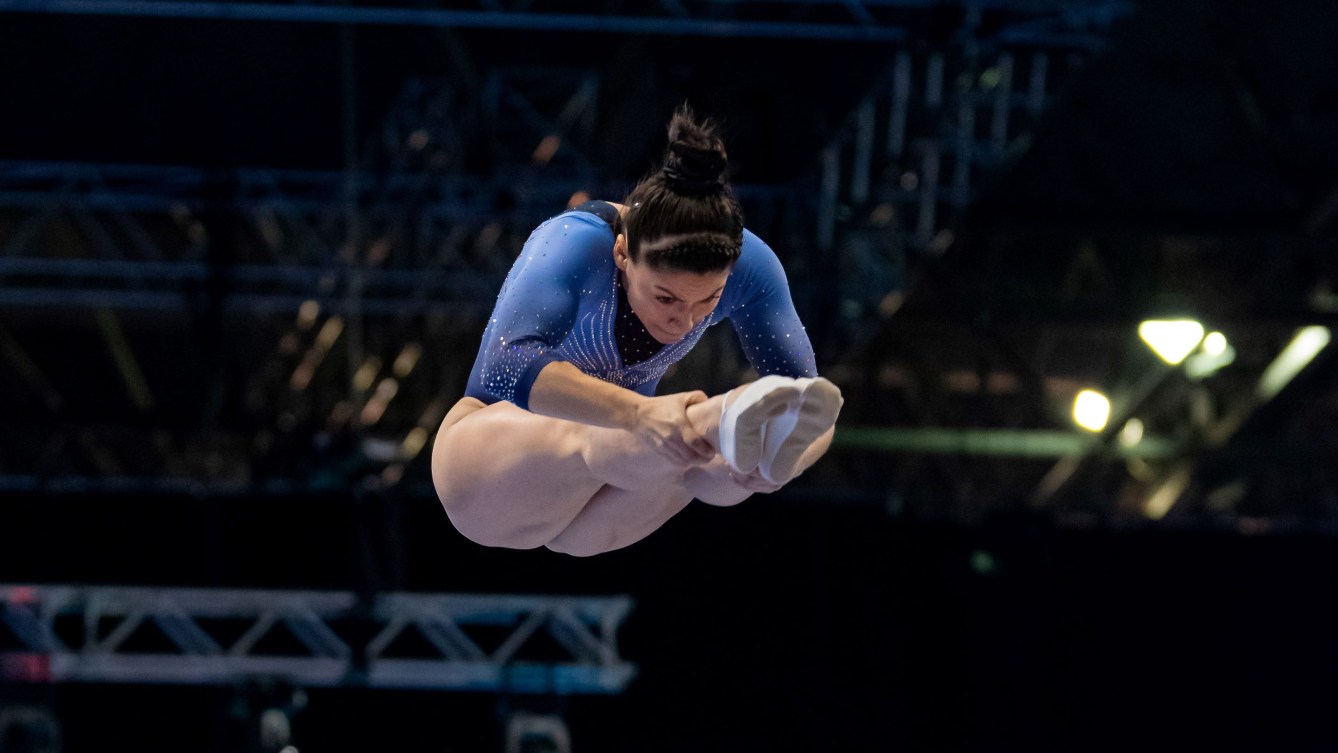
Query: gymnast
column 560, row 440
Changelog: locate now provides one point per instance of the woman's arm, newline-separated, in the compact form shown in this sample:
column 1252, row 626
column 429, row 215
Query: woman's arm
column 762, row 312
column 563, row 391
column 536, row 306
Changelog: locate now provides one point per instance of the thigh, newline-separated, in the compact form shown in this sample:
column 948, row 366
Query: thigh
column 614, row 518
column 507, row 477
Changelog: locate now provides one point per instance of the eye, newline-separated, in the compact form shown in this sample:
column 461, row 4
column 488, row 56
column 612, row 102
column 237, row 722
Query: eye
column 666, row 300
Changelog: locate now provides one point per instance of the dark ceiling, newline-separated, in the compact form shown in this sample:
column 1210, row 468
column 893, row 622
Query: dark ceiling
column 1179, row 164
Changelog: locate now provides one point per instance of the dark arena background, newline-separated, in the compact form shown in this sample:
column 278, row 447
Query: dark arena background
column 246, row 255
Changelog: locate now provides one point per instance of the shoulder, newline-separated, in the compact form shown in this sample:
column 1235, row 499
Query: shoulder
column 758, row 265
column 570, row 244
column 578, row 226
column 755, row 249
column 607, row 211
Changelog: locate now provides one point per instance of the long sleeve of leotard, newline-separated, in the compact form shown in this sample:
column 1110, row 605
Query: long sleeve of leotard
column 537, row 306
column 768, row 327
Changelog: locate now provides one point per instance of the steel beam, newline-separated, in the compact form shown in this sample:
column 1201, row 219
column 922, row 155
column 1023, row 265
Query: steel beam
column 861, row 27
column 199, row 642
column 292, row 223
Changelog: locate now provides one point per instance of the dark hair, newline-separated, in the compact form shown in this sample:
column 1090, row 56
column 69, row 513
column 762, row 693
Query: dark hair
column 689, row 196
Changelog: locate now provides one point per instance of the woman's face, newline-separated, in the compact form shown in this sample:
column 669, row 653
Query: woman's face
column 669, row 302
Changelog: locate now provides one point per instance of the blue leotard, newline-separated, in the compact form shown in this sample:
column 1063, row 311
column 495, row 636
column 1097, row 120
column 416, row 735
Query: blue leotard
column 560, row 303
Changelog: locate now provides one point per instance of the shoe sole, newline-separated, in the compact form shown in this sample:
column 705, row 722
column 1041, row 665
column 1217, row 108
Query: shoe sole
column 817, row 413
column 743, row 418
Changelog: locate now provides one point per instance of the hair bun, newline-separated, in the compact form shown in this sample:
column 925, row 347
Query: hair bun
column 695, row 163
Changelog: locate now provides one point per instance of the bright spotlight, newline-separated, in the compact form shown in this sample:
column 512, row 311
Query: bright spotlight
column 1215, row 344
column 1091, row 410
column 1303, row 348
column 1132, row 433
column 1171, row 339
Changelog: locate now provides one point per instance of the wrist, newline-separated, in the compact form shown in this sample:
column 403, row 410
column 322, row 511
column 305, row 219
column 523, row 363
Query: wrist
column 631, row 413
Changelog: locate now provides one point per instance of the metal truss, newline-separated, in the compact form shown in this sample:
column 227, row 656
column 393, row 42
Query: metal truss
column 160, row 238
column 931, row 128
column 143, row 237
column 875, row 21
column 519, row 644
column 914, row 152
column 855, row 20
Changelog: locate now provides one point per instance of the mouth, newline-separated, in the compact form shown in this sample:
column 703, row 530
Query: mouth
column 667, row 337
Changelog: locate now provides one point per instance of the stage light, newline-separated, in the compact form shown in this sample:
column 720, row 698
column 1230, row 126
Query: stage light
column 307, row 313
column 366, row 374
column 407, row 359
column 1304, row 346
column 330, row 331
column 376, row 406
column 1215, row 355
column 1091, row 410
column 548, row 146
column 1171, row 339
column 1132, row 433
column 413, row 443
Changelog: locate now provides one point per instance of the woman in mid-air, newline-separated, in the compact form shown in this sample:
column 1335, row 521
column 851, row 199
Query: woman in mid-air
column 560, row 440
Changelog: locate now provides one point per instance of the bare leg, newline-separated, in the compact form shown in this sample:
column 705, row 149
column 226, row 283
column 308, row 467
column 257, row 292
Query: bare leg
column 714, row 484
column 507, row 477
column 616, row 517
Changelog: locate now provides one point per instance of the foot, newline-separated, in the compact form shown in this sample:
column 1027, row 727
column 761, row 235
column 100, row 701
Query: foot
column 746, row 411
column 787, row 435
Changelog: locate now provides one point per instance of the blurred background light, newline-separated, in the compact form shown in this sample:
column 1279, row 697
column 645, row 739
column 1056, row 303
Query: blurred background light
column 1091, row 410
column 1215, row 344
column 1215, row 354
column 1171, row 339
column 1132, row 433
column 1304, row 346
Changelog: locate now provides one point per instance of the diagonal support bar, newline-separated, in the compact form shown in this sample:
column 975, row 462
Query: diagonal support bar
column 200, row 622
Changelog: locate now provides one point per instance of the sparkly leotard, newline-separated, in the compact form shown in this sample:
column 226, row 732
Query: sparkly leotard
column 560, row 303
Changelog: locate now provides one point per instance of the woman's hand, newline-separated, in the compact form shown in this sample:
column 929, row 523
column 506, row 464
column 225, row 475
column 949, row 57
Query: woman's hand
column 662, row 423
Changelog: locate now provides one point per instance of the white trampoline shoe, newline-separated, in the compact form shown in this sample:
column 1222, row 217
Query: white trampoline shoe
column 786, row 436
column 743, row 419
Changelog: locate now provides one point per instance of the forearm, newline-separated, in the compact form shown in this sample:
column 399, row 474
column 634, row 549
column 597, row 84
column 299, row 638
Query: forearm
column 563, row 391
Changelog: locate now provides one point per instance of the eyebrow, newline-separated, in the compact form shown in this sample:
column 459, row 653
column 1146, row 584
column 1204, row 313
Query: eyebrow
column 672, row 294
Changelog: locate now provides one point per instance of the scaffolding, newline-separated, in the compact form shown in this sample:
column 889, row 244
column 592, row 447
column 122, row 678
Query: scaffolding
column 553, row 645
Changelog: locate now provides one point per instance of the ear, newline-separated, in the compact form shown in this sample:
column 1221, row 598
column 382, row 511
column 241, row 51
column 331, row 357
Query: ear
column 620, row 257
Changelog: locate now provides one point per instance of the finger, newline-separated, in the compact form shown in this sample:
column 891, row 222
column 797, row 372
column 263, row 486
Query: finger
column 694, row 397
